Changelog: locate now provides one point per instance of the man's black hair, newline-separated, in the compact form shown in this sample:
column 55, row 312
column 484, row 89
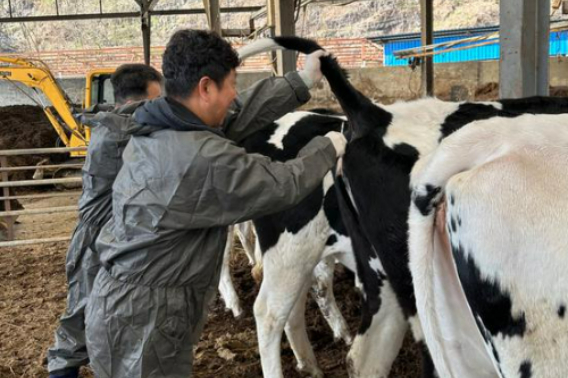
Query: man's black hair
column 193, row 54
column 130, row 82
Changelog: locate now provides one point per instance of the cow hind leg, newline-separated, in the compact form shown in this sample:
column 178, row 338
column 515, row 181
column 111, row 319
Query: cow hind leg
column 280, row 290
column 226, row 287
column 322, row 292
column 297, row 334
column 246, row 236
column 374, row 351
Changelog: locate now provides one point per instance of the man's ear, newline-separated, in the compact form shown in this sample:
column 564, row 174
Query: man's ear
column 204, row 87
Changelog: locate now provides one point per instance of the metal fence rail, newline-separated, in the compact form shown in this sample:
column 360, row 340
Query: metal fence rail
column 9, row 215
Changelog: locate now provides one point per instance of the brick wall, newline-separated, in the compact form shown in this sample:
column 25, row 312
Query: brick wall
column 352, row 53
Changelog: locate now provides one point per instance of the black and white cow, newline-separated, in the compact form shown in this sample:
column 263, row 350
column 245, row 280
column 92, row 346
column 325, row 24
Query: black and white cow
column 489, row 267
column 385, row 144
column 299, row 248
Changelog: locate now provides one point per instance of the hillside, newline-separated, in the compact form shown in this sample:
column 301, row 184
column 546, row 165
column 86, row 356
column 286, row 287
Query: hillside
column 361, row 18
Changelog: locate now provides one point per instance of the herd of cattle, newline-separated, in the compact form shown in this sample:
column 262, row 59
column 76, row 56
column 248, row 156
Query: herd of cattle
column 452, row 216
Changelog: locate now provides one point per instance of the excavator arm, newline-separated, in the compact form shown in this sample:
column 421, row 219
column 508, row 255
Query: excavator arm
column 35, row 74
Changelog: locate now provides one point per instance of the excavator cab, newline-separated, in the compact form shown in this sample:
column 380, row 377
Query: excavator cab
column 98, row 88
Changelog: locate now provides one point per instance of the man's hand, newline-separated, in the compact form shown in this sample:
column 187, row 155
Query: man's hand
column 311, row 74
column 338, row 141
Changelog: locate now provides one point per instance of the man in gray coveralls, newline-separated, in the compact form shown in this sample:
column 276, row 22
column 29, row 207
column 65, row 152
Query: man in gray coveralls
column 184, row 180
column 131, row 83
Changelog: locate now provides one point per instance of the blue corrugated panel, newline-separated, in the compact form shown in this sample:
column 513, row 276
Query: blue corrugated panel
column 558, row 46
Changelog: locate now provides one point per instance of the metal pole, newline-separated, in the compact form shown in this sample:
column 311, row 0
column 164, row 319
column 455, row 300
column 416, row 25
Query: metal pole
column 66, row 194
column 38, row 151
column 45, row 210
column 285, row 25
column 213, row 15
column 17, row 243
column 427, row 25
column 98, row 16
column 13, row 184
column 146, row 30
column 6, row 193
column 524, row 45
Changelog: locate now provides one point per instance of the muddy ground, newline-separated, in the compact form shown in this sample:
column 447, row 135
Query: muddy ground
column 33, row 293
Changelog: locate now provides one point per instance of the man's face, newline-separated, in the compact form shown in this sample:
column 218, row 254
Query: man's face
column 154, row 89
column 222, row 97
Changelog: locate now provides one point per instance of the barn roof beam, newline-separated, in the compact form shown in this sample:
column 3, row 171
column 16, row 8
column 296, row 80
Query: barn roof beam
column 93, row 16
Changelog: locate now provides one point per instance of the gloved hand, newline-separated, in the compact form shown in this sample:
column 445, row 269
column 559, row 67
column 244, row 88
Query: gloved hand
column 339, row 142
column 311, row 74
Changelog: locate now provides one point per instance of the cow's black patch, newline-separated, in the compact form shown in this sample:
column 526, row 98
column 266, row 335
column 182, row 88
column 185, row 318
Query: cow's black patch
column 453, row 224
column 536, row 105
column 406, row 149
column 428, row 368
column 525, row 370
column 425, row 202
column 379, row 182
column 332, row 212
column 562, row 311
column 452, row 200
column 297, row 137
column 331, row 240
column 486, row 298
column 325, row 111
column 371, row 279
column 469, row 112
column 269, row 228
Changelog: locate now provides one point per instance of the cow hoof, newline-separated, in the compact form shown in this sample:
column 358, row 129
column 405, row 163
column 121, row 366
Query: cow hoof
column 310, row 371
column 236, row 310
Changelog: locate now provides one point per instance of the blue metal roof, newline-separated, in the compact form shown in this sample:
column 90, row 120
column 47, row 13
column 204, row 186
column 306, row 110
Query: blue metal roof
column 558, row 46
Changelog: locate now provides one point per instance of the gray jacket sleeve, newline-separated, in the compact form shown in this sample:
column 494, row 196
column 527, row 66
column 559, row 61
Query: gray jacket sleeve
column 263, row 103
column 241, row 186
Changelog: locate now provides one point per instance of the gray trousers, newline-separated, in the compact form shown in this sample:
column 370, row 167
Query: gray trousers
column 138, row 331
column 82, row 265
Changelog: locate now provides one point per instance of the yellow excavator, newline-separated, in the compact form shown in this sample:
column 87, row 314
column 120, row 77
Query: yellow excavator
column 35, row 74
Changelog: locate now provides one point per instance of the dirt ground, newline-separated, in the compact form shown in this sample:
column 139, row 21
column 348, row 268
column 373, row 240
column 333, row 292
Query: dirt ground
column 32, row 297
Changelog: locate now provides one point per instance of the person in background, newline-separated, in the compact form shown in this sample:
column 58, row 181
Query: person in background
column 131, row 84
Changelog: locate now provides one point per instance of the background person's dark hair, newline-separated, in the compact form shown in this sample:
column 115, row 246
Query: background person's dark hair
column 193, row 54
column 130, row 82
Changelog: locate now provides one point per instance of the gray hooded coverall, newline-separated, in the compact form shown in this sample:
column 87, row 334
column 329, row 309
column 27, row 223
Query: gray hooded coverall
column 260, row 105
column 101, row 166
column 178, row 190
